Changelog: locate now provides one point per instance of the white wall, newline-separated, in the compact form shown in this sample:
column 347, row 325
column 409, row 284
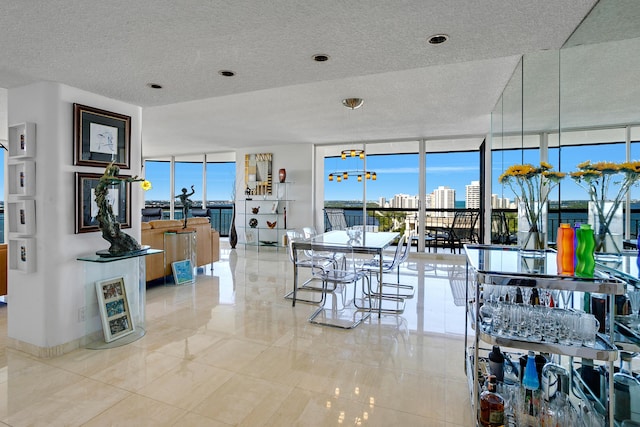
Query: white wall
column 297, row 160
column 43, row 306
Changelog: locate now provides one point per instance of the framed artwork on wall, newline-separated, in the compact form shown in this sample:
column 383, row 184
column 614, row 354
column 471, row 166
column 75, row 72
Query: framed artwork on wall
column 100, row 137
column 114, row 308
column 22, row 217
column 22, row 254
column 257, row 174
column 21, row 178
column 87, row 209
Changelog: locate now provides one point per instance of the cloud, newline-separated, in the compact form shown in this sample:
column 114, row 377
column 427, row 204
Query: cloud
column 430, row 170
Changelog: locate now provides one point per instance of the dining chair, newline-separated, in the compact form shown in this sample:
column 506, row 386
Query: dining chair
column 334, row 257
column 342, row 312
column 317, row 267
column 395, row 292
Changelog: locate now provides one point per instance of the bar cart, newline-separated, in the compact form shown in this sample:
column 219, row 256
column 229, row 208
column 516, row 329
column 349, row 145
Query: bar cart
column 504, row 267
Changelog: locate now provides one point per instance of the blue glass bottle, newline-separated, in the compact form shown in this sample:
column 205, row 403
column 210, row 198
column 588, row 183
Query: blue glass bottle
column 585, row 252
column 530, row 379
column 531, row 384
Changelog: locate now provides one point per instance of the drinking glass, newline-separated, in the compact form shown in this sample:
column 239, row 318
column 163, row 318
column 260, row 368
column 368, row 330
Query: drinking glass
column 567, row 298
column 566, row 327
column 515, row 321
column 587, row 326
column 634, row 299
column 526, row 294
column 536, row 320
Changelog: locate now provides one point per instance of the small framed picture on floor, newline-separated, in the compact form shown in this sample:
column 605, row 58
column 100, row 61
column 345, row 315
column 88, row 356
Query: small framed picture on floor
column 114, row 308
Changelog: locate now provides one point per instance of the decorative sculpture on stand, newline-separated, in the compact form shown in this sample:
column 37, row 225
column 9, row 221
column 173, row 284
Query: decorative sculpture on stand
column 186, row 203
column 121, row 243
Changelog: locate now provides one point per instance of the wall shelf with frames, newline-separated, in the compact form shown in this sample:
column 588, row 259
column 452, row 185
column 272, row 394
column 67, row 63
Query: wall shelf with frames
column 265, row 217
column 21, row 204
column 22, row 140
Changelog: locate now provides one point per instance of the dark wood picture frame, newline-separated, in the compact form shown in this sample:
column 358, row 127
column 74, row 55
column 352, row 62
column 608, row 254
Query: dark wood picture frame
column 86, row 208
column 100, row 137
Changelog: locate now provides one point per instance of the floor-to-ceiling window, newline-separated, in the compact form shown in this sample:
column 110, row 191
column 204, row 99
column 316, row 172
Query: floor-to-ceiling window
column 451, row 172
column 393, row 199
column 188, row 179
column 159, row 174
column 220, row 194
column 218, row 177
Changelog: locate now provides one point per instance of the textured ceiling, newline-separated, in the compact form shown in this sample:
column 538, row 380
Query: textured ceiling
column 377, row 50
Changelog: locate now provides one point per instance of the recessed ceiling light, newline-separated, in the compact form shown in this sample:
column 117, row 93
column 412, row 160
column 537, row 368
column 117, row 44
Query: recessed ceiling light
column 226, row 73
column 352, row 103
column 438, row 38
column 154, row 85
column 320, row 57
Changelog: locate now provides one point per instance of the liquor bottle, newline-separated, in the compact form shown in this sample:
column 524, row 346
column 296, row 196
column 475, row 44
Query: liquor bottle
column 518, row 298
column 491, row 406
column 626, row 388
column 534, row 299
column 496, row 363
column 566, row 250
column 585, row 252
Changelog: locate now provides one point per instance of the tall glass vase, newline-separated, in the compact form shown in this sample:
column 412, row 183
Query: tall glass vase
column 608, row 226
column 532, row 236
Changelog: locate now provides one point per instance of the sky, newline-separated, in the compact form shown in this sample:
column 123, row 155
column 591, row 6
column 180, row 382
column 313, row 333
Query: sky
column 220, row 180
column 396, row 174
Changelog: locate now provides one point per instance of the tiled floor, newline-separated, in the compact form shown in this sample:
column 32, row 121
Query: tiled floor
column 230, row 350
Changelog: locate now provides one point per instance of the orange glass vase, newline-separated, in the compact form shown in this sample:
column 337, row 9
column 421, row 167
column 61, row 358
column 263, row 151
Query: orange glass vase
column 566, row 250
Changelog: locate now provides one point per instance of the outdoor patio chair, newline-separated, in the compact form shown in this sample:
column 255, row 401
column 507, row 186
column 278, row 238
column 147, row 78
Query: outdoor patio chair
column 336, row 219
column 462, row 230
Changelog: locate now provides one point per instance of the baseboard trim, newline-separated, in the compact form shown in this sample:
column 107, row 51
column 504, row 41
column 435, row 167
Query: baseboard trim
column 42, row 352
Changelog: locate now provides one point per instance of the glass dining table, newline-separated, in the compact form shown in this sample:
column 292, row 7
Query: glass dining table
column 365, row 242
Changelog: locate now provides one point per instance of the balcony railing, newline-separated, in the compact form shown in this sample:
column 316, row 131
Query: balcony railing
column 393, row 219
column 219, row 216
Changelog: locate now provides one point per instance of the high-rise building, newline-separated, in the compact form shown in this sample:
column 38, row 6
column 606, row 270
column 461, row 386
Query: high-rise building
column 444, row 198
column 403, row 201
column 501, row 202
column 472, row 199
column 429, row 201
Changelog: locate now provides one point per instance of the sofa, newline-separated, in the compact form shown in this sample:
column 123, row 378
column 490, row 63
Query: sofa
column 153, row 234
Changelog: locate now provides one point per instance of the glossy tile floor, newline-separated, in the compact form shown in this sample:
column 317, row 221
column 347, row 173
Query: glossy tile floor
column 231, row 351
